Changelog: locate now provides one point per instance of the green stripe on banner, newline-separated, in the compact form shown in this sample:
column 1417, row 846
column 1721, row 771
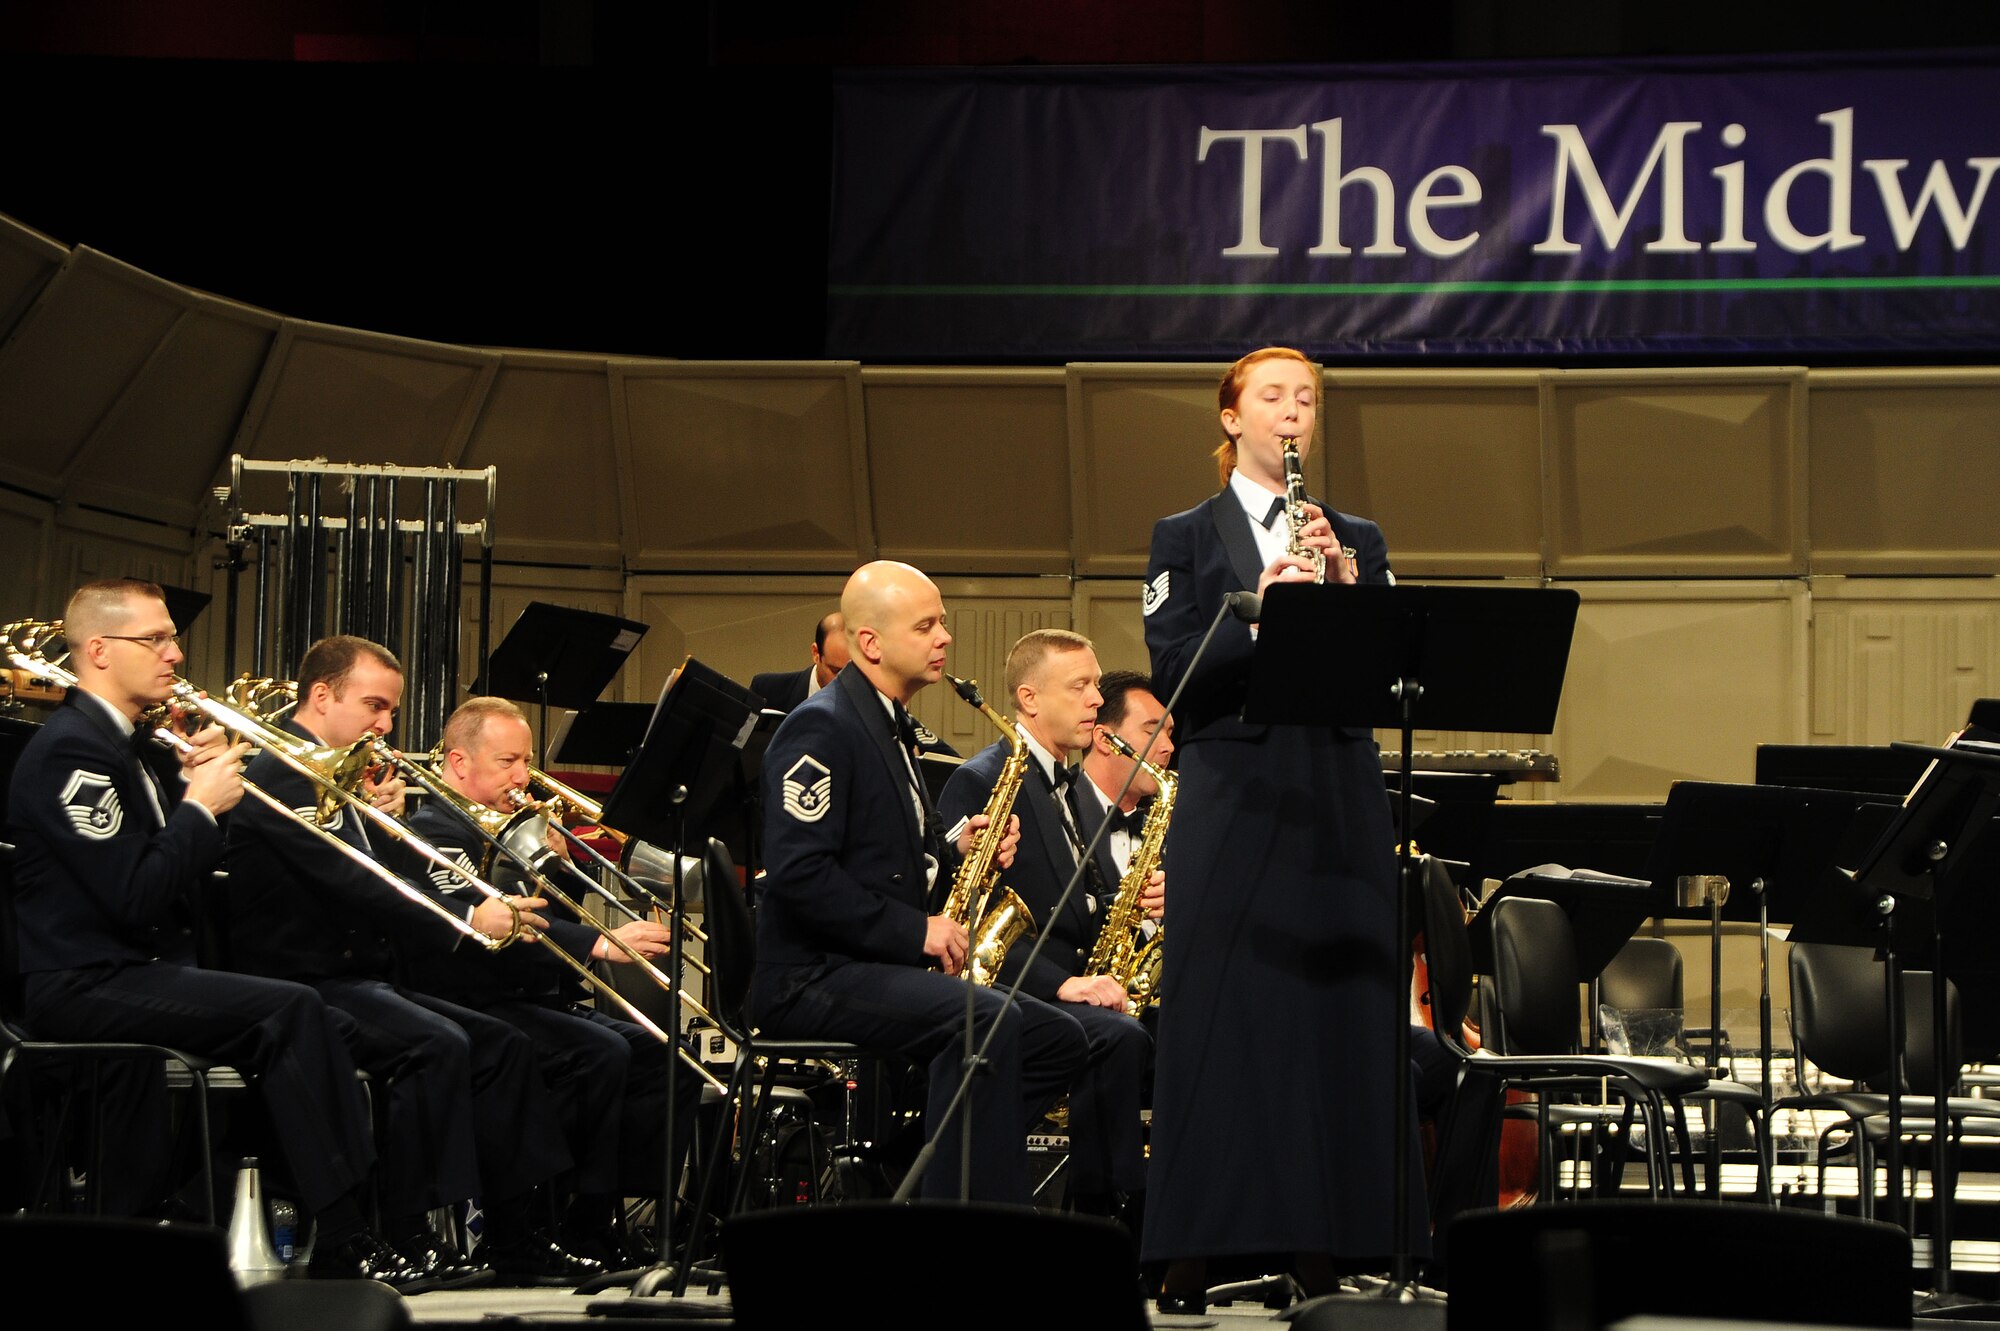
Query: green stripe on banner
column 1418, row 288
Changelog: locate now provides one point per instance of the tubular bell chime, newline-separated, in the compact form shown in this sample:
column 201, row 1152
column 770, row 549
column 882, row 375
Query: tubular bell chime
column 376, row 551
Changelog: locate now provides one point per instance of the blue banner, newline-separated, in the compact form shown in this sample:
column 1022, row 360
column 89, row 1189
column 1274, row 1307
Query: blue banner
column 1762, row 209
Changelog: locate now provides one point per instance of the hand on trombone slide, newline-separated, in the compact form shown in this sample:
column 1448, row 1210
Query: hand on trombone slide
column 642, row 936
column 505, row 917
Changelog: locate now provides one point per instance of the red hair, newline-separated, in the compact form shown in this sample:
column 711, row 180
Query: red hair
column 1232, row 390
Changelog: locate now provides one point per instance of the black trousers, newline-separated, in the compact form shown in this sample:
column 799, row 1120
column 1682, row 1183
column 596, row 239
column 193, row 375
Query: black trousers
column 610, row 1080
column 279, row 1034
column 1106, row 1149
column 920, row 1014
column 467, row 1113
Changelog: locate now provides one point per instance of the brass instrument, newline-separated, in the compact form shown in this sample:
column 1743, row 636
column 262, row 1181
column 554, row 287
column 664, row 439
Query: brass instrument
column 1295, row 513
column 1119, row 951
column 562, row 803
column 334, row 772
column 517, row 847
column 993, row 916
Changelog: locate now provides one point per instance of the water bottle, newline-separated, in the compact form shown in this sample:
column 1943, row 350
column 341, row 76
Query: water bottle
column 285, row 1231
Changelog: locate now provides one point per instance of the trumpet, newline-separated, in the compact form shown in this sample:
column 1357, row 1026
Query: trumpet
column 332, row 771
column 516, row 841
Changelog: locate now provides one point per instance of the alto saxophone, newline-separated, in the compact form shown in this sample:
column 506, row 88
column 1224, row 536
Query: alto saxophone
column 993, row 916
column 1119, row 951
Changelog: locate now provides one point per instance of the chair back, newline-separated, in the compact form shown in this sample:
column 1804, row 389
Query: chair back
column 10, row 948
column 1840, row 1018
column 1534, row 977
column 1646, row 973
column 1447, row 951
column 732, row 941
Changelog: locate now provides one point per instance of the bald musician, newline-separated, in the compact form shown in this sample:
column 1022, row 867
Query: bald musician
column 848, row 947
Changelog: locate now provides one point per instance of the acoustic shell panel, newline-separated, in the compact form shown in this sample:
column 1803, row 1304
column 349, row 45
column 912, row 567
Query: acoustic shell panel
column 513, row 589
column 88, row 334
column 987, row 617
column 741, row 626
column 1141, row 443
column 164, row 441
column 1675, row 473
column 1448, row 462
column 546, row 424
column 742, row 466
column 969, row 468
column 1107, row 612
column 26, row 525
column 348, row 396
column 28, row 259
column 1895, row 455
column 1673, row 681
column 1901, row 658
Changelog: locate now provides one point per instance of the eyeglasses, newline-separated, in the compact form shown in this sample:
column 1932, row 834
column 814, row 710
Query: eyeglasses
column 159, row 642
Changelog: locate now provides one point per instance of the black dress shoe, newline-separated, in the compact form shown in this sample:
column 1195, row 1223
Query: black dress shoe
column 1190, row 1304
column 540, row 1261
column 445, row 1266
column 607, row 1247
column 365, row 1257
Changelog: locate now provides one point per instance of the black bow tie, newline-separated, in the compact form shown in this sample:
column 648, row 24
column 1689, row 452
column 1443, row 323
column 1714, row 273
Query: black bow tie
column 1132, row 822
column 1277, row 507
column 906, row 727
column 1061, row 777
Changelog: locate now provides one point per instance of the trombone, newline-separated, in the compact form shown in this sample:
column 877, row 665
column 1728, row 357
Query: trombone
column 563, row 798
column 501, row 829
column 372, row 750
column 24, row 644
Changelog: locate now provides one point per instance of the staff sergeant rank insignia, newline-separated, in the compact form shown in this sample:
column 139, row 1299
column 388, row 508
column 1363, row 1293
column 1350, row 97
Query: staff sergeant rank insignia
column 92, row 805
column 1155, row 594
column 808, row 789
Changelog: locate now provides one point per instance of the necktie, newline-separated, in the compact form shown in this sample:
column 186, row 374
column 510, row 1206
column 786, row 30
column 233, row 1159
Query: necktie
column 906, row 739
column 1277, row 507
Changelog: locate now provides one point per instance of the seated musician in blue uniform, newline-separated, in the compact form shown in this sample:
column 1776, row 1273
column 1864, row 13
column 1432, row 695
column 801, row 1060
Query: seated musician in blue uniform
column 467, row 1112
column 849, row 945
column 782, row 690
column 116, row 838
column 611, row 1077
column 1052, row 686
column 1107, row 784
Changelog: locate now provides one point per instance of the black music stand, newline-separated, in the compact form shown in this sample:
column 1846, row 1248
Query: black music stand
column 1772, row 844
column 691, row 754
column 1444, row 658
column 738, row 823
column 1604, row 911
column 604, row 734
column 558, row 656
column 1917, row 860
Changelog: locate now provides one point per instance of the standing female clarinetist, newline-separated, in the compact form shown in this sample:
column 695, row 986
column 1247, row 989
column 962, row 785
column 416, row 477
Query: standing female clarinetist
column 1274, row 1113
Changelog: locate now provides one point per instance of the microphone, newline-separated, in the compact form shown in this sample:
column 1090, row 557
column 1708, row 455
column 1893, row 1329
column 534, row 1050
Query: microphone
column 1246, row 606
